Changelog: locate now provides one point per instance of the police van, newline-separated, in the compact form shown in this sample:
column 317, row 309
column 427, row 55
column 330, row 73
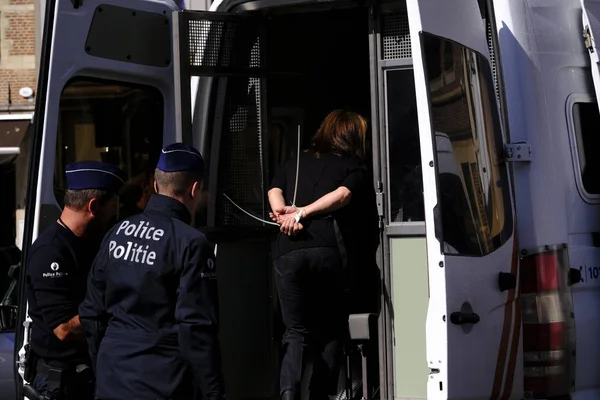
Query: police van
column 483, row 126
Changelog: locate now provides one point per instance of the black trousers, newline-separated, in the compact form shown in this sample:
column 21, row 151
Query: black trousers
column 310, row 287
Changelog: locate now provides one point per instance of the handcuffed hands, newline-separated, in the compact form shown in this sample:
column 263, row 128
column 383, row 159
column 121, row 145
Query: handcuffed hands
column 286, row 218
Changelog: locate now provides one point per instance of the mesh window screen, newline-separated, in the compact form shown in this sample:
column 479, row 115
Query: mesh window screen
column 396, row 36
column 240, row 174
column 229, row 47
column 223, row 44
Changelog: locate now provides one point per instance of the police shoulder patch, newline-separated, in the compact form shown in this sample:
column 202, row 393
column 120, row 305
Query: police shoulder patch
column 209, row 272
column 54, row 271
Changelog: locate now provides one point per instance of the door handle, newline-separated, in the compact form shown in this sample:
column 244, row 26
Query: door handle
column 506, row 281
column 461, row 318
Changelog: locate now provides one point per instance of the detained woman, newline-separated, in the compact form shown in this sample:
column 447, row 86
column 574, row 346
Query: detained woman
column 333, row 193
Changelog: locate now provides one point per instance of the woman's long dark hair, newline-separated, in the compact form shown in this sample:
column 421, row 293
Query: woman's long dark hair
column 343, row 132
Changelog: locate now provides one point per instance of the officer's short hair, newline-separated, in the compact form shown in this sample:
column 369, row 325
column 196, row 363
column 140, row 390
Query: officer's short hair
column 176, row 183
column 77, row 199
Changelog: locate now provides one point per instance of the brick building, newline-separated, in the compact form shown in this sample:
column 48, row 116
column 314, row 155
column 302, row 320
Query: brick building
column 18, row 44
column 17, row 54
column 21, row 23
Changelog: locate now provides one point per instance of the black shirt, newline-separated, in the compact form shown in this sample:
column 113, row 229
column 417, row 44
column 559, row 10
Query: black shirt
column 57, row 270
column 317, row 177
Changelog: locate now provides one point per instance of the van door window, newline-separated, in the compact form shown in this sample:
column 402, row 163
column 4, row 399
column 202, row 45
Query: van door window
column 586, row 120
column 404, row 151
column 113, row 122
column 472, row 183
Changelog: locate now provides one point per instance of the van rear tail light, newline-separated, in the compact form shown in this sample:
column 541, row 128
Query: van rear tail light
column 548, row 322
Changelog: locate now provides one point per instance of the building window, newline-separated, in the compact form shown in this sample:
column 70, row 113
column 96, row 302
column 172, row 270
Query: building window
column 117, row 123
column 474, row 207
column 586, row 120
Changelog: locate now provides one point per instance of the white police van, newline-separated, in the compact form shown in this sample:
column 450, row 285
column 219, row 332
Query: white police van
column 483, row 119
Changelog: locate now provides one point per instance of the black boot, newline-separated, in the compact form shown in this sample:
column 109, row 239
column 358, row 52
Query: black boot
column 288, row 395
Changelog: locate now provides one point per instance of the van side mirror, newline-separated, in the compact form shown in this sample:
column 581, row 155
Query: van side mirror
column 8, row 317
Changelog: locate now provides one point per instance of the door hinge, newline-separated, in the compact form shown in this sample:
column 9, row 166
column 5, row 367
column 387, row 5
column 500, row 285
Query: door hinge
column 520, row 151
column 379, row 198
column 472, row 64
column 589, row 41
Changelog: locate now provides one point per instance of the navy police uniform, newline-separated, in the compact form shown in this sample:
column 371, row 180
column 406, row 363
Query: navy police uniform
column 151, row 305
column 57, row 269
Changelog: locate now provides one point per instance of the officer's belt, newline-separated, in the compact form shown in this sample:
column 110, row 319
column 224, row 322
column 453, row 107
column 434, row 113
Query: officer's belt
column 58, row 373
column 45, row 369
column 55, row 373
column 168, row 338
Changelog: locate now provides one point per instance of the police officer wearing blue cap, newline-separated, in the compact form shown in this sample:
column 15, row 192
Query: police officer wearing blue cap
column 151, row 306
column 57, row 361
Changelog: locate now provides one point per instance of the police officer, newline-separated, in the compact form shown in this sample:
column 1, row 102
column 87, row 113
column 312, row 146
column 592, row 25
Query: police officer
column 57, row 268
column 150, row 309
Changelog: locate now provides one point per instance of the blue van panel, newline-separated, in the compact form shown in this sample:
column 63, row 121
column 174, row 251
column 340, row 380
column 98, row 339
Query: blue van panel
column 7, row 372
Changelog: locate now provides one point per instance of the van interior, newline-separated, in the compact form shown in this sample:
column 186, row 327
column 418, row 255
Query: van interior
column 317, row 60
column 314, row 58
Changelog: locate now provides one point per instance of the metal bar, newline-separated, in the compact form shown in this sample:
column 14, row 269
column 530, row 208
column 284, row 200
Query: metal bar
column 347, row 354
column 365, row 383
column 5, row 151
column 215, row 152
column 263, row 118
column 405, row 229
column 400, row 62
column 386, row 359
column 182, row 77
column 177, row 74
column 221, row 16
column 35, row 153
column 251, row 72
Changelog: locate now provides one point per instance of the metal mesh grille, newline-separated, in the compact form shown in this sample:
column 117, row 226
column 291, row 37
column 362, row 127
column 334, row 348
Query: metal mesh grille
column 254, row 87
column 232, row 47
column 396, row 36
column 218, row 44
column 493, row 58
column 240, row 161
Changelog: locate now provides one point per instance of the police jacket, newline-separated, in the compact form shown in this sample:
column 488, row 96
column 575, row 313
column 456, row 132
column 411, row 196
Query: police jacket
column 150, row 312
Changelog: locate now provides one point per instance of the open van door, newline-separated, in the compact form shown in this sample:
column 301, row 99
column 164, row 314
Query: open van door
column 225, row 54
column 473, row 322
column 105, row 92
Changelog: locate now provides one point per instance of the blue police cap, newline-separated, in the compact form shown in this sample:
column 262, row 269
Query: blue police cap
column 94, row 175
column 180, row 157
